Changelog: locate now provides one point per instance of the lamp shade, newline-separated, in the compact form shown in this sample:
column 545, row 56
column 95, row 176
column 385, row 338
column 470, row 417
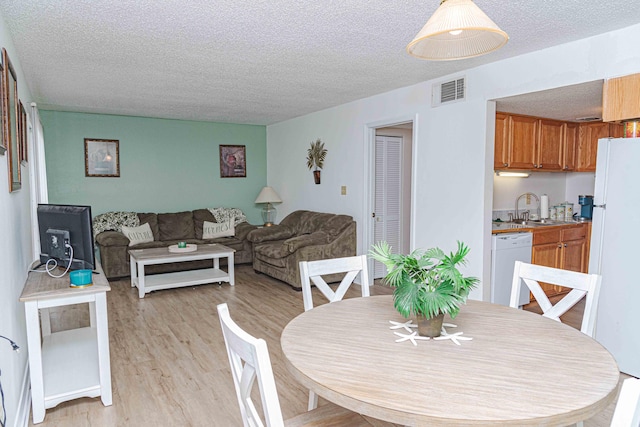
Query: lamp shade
column 268, row 195
column 458, row 29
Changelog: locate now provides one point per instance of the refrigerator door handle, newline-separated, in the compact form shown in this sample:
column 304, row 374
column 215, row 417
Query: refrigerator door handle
column 603, row 206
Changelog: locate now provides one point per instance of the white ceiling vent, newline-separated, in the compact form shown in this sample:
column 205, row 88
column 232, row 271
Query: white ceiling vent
column 450, row 91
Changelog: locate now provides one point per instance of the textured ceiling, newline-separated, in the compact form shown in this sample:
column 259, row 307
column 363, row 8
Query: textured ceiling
column 257, row 62
column 575, row 103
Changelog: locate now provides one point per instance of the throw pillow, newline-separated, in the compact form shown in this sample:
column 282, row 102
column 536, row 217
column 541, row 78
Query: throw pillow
column 137, row 235
column 213, row 230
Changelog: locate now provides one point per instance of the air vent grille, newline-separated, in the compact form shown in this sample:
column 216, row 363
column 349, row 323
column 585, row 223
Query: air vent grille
column 450, row 91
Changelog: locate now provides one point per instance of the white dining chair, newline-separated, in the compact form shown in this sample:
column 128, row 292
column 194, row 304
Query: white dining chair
column 249, row 360
column 582, row 286
column 312, row 271
column 627, row 412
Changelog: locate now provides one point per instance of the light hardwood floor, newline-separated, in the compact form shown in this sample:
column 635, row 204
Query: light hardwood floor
column 168, row 361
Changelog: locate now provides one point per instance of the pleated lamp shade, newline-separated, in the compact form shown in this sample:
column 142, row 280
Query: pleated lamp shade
column 458, row 29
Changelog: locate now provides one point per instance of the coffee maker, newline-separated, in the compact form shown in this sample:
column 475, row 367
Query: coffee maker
column 586, row 206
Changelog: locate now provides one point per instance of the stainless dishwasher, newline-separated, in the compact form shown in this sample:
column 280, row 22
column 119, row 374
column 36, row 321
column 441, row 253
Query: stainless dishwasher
column 506, row 249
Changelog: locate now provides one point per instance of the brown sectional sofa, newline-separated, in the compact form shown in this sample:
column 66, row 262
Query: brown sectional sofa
column 169, row 229
column 302, row 236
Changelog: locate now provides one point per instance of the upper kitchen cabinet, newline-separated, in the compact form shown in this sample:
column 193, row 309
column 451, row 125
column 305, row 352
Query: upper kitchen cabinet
column 522, row 142
column 501, row 153
column 551, row 145
column 533, row 143
column 571, row 146
column 620, row 98
column 588, row 136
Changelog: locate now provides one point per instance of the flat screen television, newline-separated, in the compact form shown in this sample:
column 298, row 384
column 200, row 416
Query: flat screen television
column 66, row 236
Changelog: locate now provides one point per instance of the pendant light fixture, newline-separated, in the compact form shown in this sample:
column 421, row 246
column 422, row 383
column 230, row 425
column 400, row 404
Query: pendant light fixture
column 458, row 29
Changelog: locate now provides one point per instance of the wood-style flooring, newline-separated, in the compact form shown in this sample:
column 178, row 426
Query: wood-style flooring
column 169, row 365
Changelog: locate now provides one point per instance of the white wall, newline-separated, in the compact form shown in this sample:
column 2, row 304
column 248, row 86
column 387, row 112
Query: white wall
column 453, row 160
column 15, row 257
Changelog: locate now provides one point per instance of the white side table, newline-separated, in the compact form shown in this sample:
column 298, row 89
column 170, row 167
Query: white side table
column 68, row 364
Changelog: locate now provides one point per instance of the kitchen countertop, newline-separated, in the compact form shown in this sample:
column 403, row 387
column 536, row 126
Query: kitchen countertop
column 508, row 227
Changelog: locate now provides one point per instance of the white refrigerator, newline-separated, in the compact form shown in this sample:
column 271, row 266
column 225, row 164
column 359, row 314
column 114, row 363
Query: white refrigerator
column 615, row 249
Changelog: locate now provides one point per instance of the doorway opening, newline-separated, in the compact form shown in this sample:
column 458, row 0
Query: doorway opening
column 390, row 176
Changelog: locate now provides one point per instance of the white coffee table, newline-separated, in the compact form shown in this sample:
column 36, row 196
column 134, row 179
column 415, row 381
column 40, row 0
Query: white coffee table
column 140, row 258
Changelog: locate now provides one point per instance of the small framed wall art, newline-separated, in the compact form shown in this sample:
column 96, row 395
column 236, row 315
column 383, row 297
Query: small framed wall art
column 22, row 133
column 233, row 161
column 102, row 157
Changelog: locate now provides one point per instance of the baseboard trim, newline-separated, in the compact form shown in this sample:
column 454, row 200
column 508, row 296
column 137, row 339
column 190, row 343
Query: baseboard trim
column 24, row 405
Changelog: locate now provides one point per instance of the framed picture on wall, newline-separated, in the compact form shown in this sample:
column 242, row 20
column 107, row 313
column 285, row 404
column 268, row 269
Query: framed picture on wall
column 10, row 121
column 233, row 161
column 22, row 133
column 102, row 157
column 3, row 141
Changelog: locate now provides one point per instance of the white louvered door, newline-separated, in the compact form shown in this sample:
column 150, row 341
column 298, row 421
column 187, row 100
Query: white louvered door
column 388, row 195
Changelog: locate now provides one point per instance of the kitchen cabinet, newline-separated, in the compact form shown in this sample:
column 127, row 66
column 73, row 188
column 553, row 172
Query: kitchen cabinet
column 588, row 136
column 551, row 145
column 533, row 143
column 570, row 146
column 522, row 142
column 565, row 247
column 501, row 154
column 620, row 98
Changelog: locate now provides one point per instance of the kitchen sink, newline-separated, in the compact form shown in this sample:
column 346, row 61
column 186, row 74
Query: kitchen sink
column 535, row 222
column 524, row 222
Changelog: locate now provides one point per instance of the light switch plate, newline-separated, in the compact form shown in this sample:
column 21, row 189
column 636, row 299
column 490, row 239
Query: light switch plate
column 343, row 190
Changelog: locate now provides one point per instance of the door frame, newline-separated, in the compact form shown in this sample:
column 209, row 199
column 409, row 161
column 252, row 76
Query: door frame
column 369, row 179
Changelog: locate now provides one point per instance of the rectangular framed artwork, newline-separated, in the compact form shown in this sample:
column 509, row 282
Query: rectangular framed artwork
column 102, row 158
column 22, row 132
column 233, row 161
column 10, row 121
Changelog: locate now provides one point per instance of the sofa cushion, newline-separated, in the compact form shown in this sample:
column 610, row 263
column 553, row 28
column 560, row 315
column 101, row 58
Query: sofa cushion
column 112, row 238
column 176, row 226
column 199, row 217
column 152, row 219
column 275, row 232
column 137, row 235
column 274, row 250
column 336, row 224
column 295, row 219
column 317, row 238
column 315, row 221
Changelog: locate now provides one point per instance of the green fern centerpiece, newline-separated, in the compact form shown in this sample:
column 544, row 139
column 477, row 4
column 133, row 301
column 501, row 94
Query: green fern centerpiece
column 427, row 283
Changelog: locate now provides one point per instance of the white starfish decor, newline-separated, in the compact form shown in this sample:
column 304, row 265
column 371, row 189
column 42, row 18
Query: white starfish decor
column 411, row 337
column 414, row 337
column 456, row 338
column 406, row 325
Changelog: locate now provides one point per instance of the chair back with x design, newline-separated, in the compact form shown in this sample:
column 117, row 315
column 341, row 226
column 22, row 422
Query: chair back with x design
column 582, row 286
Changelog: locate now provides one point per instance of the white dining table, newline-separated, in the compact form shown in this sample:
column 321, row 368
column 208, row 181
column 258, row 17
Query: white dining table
column 518, row 369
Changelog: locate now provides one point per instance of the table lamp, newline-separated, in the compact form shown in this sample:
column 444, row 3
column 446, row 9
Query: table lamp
column 268, row 195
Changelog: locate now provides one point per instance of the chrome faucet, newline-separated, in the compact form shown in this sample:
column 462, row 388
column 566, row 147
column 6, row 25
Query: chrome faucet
column 525, row 215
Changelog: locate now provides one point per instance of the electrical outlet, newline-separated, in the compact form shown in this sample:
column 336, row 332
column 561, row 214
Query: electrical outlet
column 343, row 190
column 528, row 199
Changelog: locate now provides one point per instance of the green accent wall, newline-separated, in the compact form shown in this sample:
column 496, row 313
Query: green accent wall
column 165, row 165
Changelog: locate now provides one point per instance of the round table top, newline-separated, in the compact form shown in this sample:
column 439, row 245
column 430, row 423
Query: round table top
column 519, row 369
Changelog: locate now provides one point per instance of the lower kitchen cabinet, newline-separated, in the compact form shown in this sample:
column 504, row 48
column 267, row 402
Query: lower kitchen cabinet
column 565, row 247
